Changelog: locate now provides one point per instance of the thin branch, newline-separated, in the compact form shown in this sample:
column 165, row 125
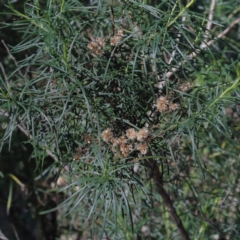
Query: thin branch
column 210, row 16
column 30, row 136
column 203, row 46
column 4, row 74
column 6, row 114
column 9, row 53
column 27, row 69
column 23, row 130
column 177, row 40
column 15, row 232
column 5, row 77
column 2, row 236
column 209, row 23
column 220, row 35
column 12, row 57
column 157, row 177
column 227, row 193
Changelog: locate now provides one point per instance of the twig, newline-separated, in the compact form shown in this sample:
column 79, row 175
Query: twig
column 27, row 69
column 9, row 53
column 5, row 113
column 210, row 16
column 30, row 136
column 227, row 193
column 177, row 40
column 204, row 45
column 4, row 74
column 2, row 236
column 12, row 57
column 23, row 130
column 15, row 232
column 5, row 77
column 209, row 23
column 220, row 35
column 157, row 177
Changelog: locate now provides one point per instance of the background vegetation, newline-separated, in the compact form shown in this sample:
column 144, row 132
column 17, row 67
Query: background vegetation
column 120, row 120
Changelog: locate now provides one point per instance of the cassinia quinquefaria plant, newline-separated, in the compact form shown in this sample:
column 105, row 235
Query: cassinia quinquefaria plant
column 114, row 92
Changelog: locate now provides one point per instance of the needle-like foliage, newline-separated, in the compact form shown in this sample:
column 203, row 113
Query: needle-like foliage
column 131, row 100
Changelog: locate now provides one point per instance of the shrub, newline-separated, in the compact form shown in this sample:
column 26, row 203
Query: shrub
column 132, row 100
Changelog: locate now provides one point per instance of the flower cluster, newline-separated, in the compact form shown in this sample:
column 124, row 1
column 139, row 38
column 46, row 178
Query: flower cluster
column 107, row 135
column 117, row 38
column 163, row 104
column 124, row 144
column 97, row 45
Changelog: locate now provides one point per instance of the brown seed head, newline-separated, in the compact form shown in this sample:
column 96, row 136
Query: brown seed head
column 101, row 42
column 122, row 140
column 131, row 134
column 107, row 135
column 162, row 104
column 99, row 52
column 115, row 40
column 142, row 148
column 115, row 142
column 118, row 141
column 93, row 46
column 119, row 32
column 142, row 134
column 173, row 106
column 125, row 149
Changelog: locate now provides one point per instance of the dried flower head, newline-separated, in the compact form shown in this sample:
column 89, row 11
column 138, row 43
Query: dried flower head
column 115, row 40
column 142, row 148
column 99, row 52
column 115, row 142
column 125, row 149
column 131, row 134
column 119, row 32
column 162, row 104
column 114, row 148
column 107, row 135
column 185, row 87
column 95, row 47
column 101, row 42
column 122, row 140
column 118, row 141
column 142, row 134
column 173, row 106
